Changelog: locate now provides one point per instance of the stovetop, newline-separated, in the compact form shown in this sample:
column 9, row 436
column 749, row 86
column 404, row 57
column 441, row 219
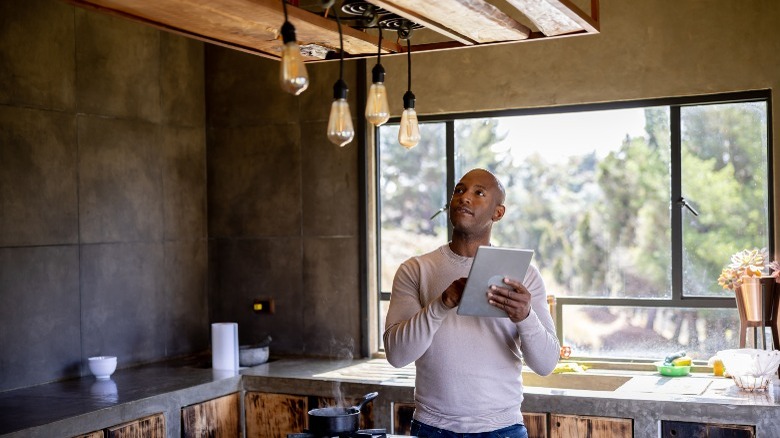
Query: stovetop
column 362, row 433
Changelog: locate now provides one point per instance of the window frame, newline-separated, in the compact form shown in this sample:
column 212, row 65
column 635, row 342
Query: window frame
column 675, row 105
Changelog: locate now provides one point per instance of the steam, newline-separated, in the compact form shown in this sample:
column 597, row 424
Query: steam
column 342, row 353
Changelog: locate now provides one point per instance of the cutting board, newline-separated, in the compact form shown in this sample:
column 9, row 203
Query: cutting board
column 666, row 385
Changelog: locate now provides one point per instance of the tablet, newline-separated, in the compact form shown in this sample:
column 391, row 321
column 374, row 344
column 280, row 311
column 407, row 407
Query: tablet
column 490, row 266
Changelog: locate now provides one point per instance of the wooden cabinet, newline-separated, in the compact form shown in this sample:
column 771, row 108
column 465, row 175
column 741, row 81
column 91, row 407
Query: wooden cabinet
column 275, row 415
column 575, row 426
column 152, row 426
column 679, row 429
column 402, row 418
column 217, row 418
column 536, row 423
column 95, row 434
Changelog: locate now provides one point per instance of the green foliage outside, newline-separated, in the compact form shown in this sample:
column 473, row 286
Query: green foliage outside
column 601, row 227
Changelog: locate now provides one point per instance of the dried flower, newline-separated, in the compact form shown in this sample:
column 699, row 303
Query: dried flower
column 775, row 268
column 746, row 263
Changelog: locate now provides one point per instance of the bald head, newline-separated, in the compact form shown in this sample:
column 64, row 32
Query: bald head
column 477, row 202
column 486, row 175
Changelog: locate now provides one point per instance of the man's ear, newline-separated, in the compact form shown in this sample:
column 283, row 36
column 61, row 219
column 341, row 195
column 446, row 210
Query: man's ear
column 498, row 213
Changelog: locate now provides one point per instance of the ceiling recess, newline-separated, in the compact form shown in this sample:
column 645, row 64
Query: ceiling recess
column 253, row 25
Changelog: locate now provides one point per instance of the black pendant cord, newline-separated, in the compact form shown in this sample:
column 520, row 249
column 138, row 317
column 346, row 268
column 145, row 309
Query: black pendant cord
column 409, row 64
column 287, row 30
column 379, row 47
column 341, row 47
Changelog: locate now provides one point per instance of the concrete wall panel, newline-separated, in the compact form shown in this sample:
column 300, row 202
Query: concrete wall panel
column 120, row 196
column 39, row 309
column 37, row 68
column 38, row 179
column 118, row 70
column 255, row 185
column 103, row 244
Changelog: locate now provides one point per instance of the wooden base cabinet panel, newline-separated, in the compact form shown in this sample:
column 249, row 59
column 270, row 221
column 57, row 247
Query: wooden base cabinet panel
column 680, row 429
column 536, row 423
column 275, row 415
column 402, row 418
column 95, row 434
column 152, row 426
column 217, row 418
column 576, row 426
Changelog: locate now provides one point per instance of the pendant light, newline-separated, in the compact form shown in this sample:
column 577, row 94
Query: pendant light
column 377, row 107
column 293, row 76
column 409, row 132
column 340, row 129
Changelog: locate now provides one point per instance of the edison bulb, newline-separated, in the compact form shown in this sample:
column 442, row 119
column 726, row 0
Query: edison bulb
column 293, row 76
column 409, row 133
column 340, row 129
column 377, row 107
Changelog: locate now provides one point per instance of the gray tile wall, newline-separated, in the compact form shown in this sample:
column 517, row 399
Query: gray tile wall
column 283, row 207
column 103, row 247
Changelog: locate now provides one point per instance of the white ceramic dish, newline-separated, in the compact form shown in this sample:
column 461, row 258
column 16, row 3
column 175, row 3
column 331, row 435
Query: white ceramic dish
column 102, row 366
column 249, row 356
column 751, row 369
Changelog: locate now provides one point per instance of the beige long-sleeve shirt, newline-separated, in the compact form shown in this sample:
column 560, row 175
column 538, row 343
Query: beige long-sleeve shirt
column 468, row 369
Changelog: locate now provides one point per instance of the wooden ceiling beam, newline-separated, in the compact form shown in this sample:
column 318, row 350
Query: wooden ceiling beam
column 547, row 17
column 467, row 21
column 253, row 24
column 588, row 22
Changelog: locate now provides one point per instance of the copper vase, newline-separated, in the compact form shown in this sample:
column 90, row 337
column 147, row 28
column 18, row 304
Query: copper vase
column 749, row 299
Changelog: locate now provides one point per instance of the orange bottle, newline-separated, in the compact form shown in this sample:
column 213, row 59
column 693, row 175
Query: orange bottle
column 717, row 366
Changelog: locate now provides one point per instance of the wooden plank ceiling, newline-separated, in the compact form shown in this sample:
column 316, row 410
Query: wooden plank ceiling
column 253, row 25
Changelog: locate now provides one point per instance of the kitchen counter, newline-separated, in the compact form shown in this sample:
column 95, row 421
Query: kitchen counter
column 78, row 406
column 644, row 396
column 82, row 405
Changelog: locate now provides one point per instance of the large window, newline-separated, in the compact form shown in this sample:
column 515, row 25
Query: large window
column 632, row 211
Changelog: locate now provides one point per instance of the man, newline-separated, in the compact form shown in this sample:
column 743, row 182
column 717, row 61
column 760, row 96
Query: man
column 468, row 368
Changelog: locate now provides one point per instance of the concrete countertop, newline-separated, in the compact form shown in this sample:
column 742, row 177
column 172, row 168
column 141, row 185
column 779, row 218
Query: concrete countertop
column 82, row 405
column 79, row 406
column 719, row 402
column 633, row 385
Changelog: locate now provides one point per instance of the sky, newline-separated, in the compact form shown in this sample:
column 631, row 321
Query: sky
column 563, row 135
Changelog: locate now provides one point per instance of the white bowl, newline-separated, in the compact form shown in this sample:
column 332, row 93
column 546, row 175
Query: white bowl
column 249, row 355
column 751, row 369
column 102, row 366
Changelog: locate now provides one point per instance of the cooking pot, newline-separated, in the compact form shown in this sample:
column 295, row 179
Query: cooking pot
column 334, row 421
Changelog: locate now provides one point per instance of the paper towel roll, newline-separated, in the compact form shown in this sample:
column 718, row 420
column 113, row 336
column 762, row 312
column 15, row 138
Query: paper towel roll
column 224, row 346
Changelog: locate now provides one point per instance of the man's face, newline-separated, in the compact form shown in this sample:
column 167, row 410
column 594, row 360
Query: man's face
column 476, row 202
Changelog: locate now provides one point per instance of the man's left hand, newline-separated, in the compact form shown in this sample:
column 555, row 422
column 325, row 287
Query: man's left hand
column 513, row 298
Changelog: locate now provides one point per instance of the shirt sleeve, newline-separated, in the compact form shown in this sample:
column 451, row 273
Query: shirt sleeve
column 410, row 325
column 538, row 341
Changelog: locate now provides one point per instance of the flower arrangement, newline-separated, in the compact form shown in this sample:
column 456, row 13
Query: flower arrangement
column 775, row 267
column 745, row 263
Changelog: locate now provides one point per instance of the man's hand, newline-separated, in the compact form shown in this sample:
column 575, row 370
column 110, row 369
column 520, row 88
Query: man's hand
column 454, row 292
column 514, row 299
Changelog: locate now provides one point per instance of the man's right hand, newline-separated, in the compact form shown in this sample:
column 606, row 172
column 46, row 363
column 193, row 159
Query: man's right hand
column 452, row 295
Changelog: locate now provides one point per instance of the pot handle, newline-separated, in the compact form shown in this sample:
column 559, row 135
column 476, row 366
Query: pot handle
column 366, row 398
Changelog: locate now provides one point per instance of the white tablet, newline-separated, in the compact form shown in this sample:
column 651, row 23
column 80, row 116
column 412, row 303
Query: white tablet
column 491, row 265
